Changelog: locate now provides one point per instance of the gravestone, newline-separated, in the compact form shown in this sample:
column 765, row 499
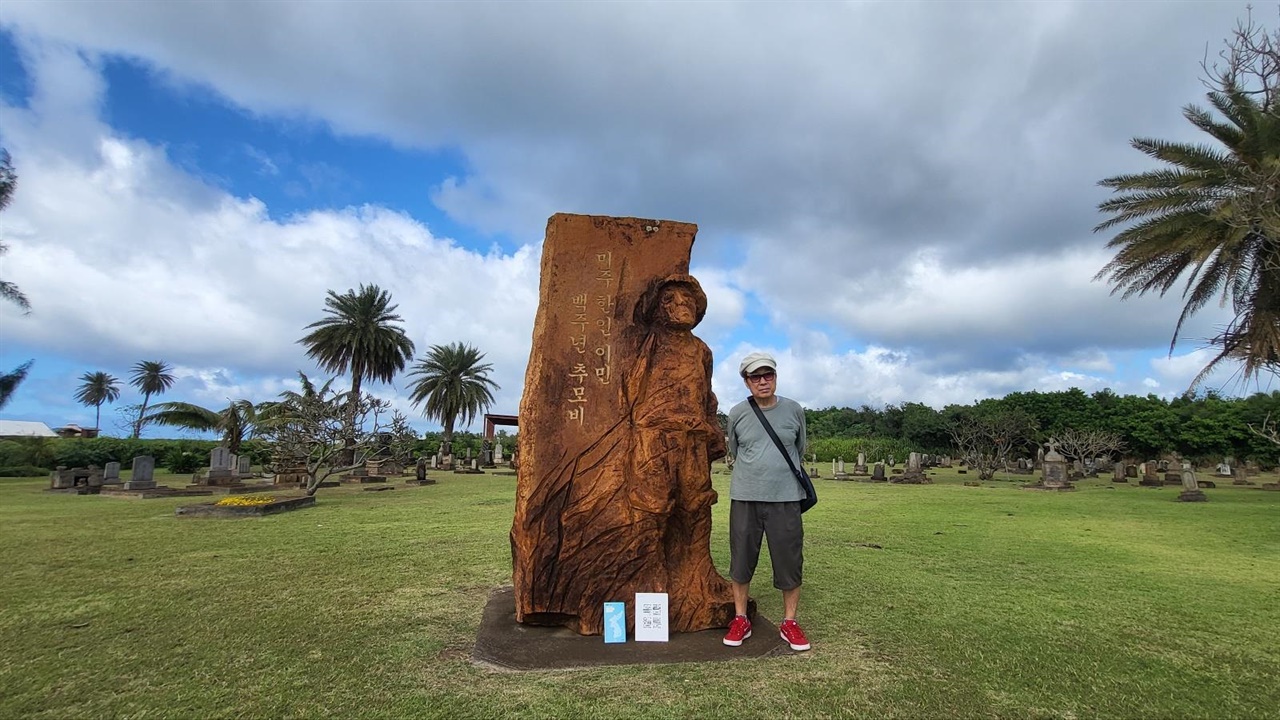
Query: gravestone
column 861, row 467
column 618, row 430
column 289, row 472
column 1191, row 491
column 420, row 472
column 60, row 479
column 497, row 452
column 245, row 466
column 85, row 479
column 143, row 478
column 1131, row 471
column 913, row 461
column 1054, row 468
column 839, row 467
column 1224, row 468
column 877, row 473
column 1039, row 457
column 111, row 473
column 220, row 471
column 1118, row 473
column 1149, row 477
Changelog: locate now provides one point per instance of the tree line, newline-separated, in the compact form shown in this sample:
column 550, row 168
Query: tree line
column 360, row 336
column 1201, row 428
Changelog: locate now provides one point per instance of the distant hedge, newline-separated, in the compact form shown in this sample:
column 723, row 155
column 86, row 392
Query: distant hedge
column 876, row 449
column 22, row 471
column 44, row 454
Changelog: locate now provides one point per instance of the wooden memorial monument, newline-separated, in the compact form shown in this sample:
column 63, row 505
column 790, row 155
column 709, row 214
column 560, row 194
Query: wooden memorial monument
column 618, row 431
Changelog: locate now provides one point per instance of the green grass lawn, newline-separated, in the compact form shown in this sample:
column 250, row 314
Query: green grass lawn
column 989, row 601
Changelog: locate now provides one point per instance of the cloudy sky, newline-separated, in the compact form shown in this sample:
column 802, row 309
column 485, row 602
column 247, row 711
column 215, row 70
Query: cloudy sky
column 896, row 199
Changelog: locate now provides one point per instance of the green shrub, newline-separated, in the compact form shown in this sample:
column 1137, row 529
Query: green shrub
column 181, row 462
column 876, row 449
column 36, row 452
column 22, row 471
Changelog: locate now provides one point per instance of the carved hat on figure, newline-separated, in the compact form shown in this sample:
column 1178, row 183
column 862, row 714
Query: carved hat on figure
column 647, row 308
column 757, row 361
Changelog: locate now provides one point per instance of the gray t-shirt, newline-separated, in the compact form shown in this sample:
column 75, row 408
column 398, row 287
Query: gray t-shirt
column 760, row 473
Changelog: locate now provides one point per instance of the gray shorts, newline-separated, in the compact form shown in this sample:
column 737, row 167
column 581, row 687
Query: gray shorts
column 749, row 522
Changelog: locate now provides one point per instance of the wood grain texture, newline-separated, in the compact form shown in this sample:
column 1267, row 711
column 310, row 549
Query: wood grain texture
column 617, row 431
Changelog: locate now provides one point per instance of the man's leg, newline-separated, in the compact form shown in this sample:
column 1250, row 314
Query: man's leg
column 741, row 593
column 785, row 531
column 790, row 603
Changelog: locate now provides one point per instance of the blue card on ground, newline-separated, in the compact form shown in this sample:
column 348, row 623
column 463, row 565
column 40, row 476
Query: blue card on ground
column 615, row 622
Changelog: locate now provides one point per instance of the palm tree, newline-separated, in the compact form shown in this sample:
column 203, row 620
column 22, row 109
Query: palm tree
column 151, row 377
column 9, row 181
column 9, row 381
column 359, row 337
column 97, row 388
column 236, row 423
column 278, row 410
column 1213, row 217
column 453, row 384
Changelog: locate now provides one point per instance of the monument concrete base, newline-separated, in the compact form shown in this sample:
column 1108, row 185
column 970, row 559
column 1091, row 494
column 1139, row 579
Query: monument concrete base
column 503, row 643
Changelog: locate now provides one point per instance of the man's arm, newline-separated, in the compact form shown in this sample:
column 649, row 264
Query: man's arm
column 802, row 434
column 731, row 435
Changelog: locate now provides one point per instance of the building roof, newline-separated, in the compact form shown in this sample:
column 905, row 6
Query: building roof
column 24, row 428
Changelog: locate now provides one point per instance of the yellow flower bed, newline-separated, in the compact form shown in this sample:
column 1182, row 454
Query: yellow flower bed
column 245, row 500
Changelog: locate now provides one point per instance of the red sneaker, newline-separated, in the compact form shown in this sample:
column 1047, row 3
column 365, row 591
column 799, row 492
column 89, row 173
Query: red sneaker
column 739, row 630
column 791, row 632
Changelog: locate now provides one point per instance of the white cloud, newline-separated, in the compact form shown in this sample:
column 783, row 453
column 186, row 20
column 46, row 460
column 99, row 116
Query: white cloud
column 908, row 190
column 124, row 256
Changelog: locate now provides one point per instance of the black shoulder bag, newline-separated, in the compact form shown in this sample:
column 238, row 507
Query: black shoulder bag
column 810, row 494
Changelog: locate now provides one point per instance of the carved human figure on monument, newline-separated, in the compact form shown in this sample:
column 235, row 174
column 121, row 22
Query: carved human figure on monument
column 677, row 437
column 618, row 431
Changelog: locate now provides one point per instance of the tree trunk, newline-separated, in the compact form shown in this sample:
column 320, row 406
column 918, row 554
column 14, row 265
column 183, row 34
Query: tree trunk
column 97, row 419
column 137, row 425
column 348, row 456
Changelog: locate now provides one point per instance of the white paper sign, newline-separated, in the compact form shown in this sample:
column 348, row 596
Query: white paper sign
column 651, row 617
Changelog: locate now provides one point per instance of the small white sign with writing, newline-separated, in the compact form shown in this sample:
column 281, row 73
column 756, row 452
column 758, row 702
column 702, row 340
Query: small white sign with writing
column 651, row 617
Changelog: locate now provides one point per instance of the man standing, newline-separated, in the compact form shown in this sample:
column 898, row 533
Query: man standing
column 765, row 498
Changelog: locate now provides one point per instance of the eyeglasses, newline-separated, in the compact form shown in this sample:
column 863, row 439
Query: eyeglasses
column 762, row 377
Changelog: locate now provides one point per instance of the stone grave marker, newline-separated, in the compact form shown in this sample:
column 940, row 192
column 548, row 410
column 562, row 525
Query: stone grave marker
column 1191, row 491
column 143, row 478
column 220, row 470
column 111, row 473
column 1054, row 468
column 1149, row 477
